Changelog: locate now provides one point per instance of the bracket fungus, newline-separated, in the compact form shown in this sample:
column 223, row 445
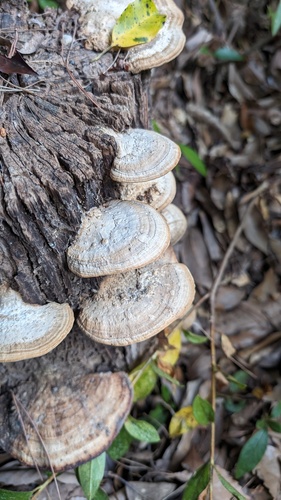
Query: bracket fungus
column 97, row 19
column 27, row 330
column 176, row 221
column 157, row 193
column 116, row 237
column 143, row 155
column 134, row 306
column 65, row 425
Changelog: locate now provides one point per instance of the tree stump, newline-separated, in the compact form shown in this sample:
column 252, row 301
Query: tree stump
column 55, row 162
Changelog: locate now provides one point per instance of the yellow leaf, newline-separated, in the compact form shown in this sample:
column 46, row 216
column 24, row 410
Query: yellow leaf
column 182, row 421
column 139, row 23
column 227, row 346
column 170, row 356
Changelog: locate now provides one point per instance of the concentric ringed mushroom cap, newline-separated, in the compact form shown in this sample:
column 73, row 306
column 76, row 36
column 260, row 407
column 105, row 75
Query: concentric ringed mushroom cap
column 176, row 221
column 157, row 193
column 143, row 155
column 116, row 237
column 166, row 46
column 76, row 421
column 28, row 331
column 136, row 305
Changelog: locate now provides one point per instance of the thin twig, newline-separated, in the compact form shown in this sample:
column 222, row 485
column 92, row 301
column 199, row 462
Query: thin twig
column 178, row 322
column 213, row 294
column 13, row 46
column 66, row 63
column 18, row 404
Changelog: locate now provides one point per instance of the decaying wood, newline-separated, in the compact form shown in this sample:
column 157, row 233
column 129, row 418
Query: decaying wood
column 55, row 162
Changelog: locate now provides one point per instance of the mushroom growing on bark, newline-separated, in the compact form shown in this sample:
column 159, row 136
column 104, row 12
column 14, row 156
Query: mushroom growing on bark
column 97, row 19
column 133, row 306
column 61, row 409
column 157, row 193
column 28, row 331
column 117, row 237
column 176, row 221
column 143, row 155
column 65, row 423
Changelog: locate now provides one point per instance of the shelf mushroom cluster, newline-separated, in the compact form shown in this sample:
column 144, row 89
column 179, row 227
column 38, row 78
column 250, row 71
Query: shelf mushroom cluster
column 144, row 288
column 125, row 240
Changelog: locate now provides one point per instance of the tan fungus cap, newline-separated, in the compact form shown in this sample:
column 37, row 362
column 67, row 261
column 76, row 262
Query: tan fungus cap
column 143, row 155
column 116, row 237
column 28, row 331
column 166, row 46
column 76, row 422
column 176, row 221
column 157, row 193
column 134, row 306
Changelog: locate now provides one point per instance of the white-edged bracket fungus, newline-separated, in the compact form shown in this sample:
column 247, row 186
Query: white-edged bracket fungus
column 157, row 193
column 134, row 306
column 97, row 19
column 65, row 425
column 117, row 237
column 143, row 155
column 27, row 330
column 166, row 46
column 176, row 221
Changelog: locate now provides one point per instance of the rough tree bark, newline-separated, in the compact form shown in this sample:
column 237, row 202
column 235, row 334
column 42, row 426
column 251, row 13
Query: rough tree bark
column 55, row 161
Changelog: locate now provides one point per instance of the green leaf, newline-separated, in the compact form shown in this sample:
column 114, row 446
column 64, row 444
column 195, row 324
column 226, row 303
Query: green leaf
column 233, row 407
column 261, row 424
column 166, row 394
column 276, row 20
column 165, row 375
column 158, row 416
column 275, row 426
column 120, row 445
column 155, row 126
column 145, row 382
column 90, row 476
column 238, row 382
column 43, row 4
column 194, row 159
column 229, row 487
column 251, row 453
column 100, row 495
column 276, row 411
column 193, row 338
column 197, row 483
column 202, row 411
column 141, row 430
column 227, row 54
column 15, row 495
column 139, row 23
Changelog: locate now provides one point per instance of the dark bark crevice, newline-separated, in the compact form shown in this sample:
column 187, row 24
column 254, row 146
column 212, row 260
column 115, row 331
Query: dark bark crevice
column 56, row 157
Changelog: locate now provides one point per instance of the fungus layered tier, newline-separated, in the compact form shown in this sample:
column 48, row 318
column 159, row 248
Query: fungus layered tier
column 133, row 306
column 69, row 423
column 28, row 331
column 117, row 237
column 143, row 155
column 158, row 193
